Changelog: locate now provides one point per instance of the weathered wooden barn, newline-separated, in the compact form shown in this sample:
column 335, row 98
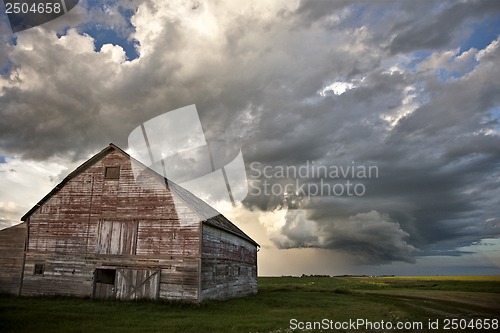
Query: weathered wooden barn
column 101, row 234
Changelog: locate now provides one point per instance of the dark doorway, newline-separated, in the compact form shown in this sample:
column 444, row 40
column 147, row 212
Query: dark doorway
column 104, row 283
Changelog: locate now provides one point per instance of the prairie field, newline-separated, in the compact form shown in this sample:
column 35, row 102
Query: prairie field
column 283, row 304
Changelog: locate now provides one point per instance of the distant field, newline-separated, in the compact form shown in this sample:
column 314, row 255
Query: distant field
column 461, row 301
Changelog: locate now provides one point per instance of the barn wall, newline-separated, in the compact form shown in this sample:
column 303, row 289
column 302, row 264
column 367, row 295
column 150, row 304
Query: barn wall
column 179, row 280
column 228, row 266
column 64, row 274
column 73, row 274
column 93, row 222
column 12, row 242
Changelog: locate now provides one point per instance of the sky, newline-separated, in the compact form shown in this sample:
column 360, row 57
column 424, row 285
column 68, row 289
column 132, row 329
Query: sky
column 313, row 93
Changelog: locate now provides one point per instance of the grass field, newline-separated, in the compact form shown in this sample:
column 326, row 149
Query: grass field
column 410, row 300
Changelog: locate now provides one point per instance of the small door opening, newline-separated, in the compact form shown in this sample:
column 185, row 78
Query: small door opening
column 104, row 283
column 105, row 276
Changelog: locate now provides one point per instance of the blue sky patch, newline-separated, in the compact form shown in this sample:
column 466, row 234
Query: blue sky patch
column 108, row 36
column 495, row 117
column 484, row 33
column 7, row 66
column 495, row 112
column 417, row 57
column 2, row 159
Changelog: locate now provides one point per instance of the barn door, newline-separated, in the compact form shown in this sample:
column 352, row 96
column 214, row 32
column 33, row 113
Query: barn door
column 132, row 284
column 116, row 237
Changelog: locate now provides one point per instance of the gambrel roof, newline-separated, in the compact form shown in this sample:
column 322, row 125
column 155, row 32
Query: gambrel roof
column 207, row 214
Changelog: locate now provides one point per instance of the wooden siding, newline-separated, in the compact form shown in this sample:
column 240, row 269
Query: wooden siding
column 116, row 237
column 222, row 279
column 179, row 281
column 167, row 237
column 73, row 274
column 137, row 283
column 68, row 274
column 219, row 244
column 12, row 242
column 228, row 266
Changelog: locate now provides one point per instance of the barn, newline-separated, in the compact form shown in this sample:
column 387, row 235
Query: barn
column 101, row 234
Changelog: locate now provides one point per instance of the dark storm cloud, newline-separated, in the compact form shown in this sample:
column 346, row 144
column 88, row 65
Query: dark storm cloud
column 258, row 78
column 315, row 10
column 438, row 176
column 430, row 31
column 371, row 237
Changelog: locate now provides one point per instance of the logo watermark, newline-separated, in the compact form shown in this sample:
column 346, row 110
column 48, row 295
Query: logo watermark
column 310, row 179
column 26, row 14
column 174, row 146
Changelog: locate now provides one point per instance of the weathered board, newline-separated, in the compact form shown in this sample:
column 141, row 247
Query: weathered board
column 228, row 266
column 71, row 274
column 116, row 237
column 137, row 283
column 11, row 258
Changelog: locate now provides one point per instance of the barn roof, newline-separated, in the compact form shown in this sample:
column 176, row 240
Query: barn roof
column 208, row 214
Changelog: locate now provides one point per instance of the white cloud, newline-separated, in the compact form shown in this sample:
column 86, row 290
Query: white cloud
column 489, row 51
column 116, row 53
column 451, row 61
column 338, row 88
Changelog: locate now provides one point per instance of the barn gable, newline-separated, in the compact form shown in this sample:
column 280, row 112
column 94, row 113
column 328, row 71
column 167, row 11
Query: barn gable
column 99, row 233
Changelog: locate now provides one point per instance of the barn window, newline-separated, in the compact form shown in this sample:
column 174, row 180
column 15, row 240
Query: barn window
column 112, row 173
column 105, row 276
column 39, row 269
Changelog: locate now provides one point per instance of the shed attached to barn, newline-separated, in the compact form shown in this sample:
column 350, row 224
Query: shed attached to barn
column 102, row 234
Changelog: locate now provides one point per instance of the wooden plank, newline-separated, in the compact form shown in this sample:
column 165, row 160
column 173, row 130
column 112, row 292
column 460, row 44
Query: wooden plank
column 222, row 279
column 73, row 274
column 134, row 284
column 228, row 265
column 117, row 237
column 220, row 244
column 11, row 257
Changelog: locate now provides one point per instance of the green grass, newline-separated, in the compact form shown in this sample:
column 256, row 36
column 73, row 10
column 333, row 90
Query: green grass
column 279, row 300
